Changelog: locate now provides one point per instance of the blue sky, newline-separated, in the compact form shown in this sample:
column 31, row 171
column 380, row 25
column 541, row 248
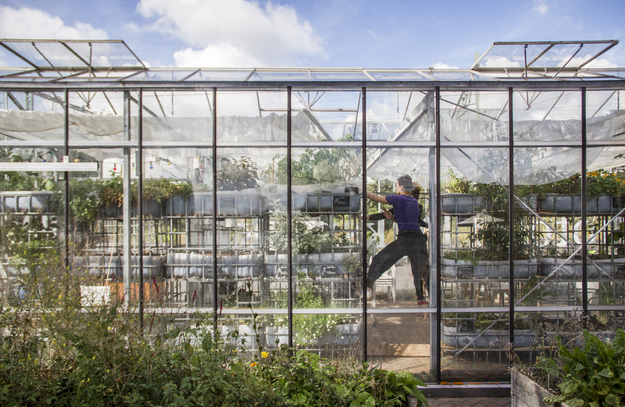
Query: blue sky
column 332, row 33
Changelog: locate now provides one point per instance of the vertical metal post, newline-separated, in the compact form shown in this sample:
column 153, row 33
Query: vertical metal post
column 438, row 234
column 364, row 221
column 289, row 218
column 511, row 213
column 126, row 219
column 584, row 202
column 139, row 165
column 434, row 288
column 66, row 196
column 214, row 225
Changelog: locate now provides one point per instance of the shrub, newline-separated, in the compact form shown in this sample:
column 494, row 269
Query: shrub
column 593, row 376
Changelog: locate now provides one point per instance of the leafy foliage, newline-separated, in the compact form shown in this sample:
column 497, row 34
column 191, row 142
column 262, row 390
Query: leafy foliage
column 307, row 237
column 55, row 353
column 237, row 175
column 320, row 165
column 593, row 376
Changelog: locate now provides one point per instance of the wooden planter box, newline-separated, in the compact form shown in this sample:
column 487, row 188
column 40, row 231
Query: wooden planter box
column 524, row 392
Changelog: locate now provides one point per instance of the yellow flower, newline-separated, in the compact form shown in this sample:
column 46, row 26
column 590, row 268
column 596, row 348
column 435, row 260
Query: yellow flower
column 253, row 364
column 264, row 354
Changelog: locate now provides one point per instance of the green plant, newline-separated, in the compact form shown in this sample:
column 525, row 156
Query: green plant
column 237, row 175
column 307, row 238
column 457, row 185
column 311, row 327
column 593, row 376
column 55, row 353
column 302, row 378
column 320, row 165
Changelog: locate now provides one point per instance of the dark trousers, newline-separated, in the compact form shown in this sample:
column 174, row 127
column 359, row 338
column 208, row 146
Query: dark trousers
column 408, row 244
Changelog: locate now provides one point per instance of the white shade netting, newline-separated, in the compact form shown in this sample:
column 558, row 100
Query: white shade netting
column 480, row 164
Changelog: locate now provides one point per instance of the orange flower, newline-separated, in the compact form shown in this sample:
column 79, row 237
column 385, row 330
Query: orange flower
column 253, row 364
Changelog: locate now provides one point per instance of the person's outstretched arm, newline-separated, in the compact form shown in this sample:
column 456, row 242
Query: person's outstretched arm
column 377, row 198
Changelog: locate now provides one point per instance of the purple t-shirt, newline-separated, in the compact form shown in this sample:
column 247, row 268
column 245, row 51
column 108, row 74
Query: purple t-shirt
column 405, row 210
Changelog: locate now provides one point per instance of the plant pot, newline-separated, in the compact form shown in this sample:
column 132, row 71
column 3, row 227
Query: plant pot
column 348, row 334
column 189, row 265
column 324, row 265
column 527, row 393
column 276, row 266
column 276, row 336
column 573, row 268
column 239, row 266
column 243, row 203
column 151, row 209
column 330, row 202
column 457, row 338
column 488, row 269
column 572, row 204
column 463, row 203
column 27, row 201
column 112, row 266
column 247, row 333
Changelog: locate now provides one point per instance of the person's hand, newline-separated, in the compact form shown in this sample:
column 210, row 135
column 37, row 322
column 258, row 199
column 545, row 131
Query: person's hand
column 388, row 214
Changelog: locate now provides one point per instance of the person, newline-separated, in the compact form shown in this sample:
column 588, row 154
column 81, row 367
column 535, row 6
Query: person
column 410, row 240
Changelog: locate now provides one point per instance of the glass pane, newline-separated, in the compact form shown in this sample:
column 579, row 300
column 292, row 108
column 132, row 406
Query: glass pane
column 251, row 117
column 474, row 347
column 547, row 116
column 32, row 234
column 326, row 116
column 400, row 266
column 475, row 229
column 401, row 342
column 178, row 117
column 477, row 117
column 400, row 116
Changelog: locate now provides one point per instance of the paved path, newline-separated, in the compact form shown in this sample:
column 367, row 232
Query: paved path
column 469, row 402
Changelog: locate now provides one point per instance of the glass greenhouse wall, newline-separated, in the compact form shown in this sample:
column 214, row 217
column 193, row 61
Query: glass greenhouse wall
column 235, row 200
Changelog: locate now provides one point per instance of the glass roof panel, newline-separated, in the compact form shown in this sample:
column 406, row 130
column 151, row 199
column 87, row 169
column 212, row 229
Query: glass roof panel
column 111, row 54
column 26, row 50
column 280, row 76
column 54, row 52
column 451, row 76
column 165, row 75
column 561, row 53
column 503, row 56
column 399, row 76
column 225, row 75
column 73, row 54
column 9, row 59
column 339, row 76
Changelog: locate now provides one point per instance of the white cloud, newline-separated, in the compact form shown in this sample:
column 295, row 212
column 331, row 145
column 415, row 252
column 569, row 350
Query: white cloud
column 540, row 6
column 37, row 24
column 215, row 55
column 238, row 32
column 499, row 62
column 440, row 65
column 577, row 61
column 373, row 34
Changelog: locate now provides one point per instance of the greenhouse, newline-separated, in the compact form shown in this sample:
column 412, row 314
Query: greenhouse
column 240, row 194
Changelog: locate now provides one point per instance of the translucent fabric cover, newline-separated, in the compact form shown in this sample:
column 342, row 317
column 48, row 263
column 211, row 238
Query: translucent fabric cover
column 476, row 164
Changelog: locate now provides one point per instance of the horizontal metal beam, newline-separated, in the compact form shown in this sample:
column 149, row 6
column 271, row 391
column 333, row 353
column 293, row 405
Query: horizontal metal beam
column 532, row 84
column 37, row 166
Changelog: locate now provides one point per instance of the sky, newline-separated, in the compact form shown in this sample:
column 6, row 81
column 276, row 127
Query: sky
column 314, row 33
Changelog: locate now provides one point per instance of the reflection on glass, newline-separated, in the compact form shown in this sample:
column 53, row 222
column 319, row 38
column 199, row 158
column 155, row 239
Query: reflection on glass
column 475, row 230
column 474, row 346
column 401, row 342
